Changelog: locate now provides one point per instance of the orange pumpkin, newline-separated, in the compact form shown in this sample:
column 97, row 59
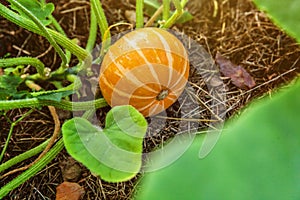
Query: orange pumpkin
column 147, row 68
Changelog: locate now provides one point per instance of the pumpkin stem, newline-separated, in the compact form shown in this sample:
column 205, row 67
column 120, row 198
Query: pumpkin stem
column 162, row 95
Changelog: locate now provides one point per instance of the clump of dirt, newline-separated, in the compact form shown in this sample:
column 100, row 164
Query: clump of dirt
column 235, row 28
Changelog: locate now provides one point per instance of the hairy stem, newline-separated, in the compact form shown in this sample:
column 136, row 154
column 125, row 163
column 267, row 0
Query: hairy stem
column 61, row 31
column 92, row 32
column 139, row 13
column 166, row 9
column 32, row 170
column 179, row 10
column 65, row 42
column 43, row 29
column 49, row 144
column 13, row 124
column 100, row 16
column 103, row 25
column 9, row 62
column 23, row 156
column 63, row 104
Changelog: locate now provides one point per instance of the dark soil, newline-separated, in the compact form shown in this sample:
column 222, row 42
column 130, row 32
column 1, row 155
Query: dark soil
column 238, row 31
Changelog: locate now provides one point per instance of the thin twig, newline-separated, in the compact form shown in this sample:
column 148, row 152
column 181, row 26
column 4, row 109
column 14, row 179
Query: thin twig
column 49, row 145
column 55, row 132
column 51, row 142
column 154, row 17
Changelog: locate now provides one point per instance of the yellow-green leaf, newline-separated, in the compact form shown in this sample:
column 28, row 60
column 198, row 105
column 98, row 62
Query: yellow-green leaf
column 115, row 152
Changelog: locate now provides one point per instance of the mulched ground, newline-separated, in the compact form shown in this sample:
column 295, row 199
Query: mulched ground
column 235, row 28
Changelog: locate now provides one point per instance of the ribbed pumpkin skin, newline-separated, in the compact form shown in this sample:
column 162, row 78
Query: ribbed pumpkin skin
column 147, row 68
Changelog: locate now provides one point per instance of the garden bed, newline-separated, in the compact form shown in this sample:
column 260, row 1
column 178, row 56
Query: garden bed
column 235, row 28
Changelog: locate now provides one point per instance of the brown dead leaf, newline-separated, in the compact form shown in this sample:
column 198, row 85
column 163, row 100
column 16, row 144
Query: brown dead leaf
column 238, row 75
column 69, row 191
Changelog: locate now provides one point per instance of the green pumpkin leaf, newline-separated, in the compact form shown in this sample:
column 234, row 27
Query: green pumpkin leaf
column 40, row 9
column 185, row 17
column 257, row 157
column 115, row 152
column 284, row 13
column 8, row 86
